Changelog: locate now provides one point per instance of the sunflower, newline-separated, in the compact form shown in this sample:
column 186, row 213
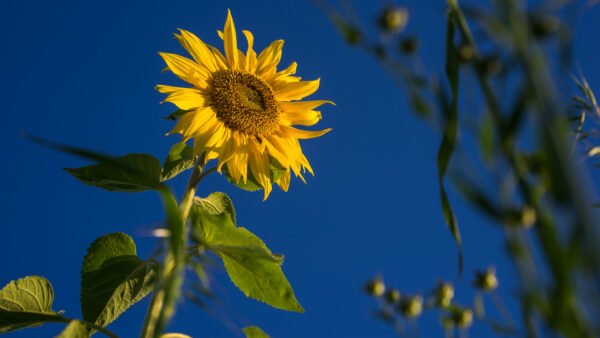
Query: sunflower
column 240, row 109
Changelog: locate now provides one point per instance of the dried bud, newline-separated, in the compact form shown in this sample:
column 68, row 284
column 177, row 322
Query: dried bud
column 486, row 281
column 392, row 296
column 464, row 318
column 524, row 217
column 465, row 53
column 444, row 294
column 544, row 26
column 528, row 217
column 393, row 20
column 409, row 45
column 447, row 323
column 411, row 307
column 491, row 66
column 375, row 287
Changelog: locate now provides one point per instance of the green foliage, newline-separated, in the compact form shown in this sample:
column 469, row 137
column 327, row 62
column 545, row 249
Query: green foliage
column 180, row 159
column 176, row 114
column 113, row 278
column 129, row 173
column 75, row 329
column 447, row 145
column 251, row 183
column 26, row 302
column 254, row 332
column 250, row 264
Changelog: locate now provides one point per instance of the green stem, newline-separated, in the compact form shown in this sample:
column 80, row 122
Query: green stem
column 165, row 296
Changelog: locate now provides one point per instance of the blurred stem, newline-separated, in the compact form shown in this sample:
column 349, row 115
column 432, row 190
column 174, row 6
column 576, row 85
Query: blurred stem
column 165, row 296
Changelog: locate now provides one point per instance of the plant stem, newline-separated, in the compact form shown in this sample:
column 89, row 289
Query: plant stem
column 167, row 290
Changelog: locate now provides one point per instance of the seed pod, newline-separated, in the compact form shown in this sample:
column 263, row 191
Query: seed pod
column 464, row 318
column 392, row 20
column 486, row 281
column 375, row 287
column 392, row 296
column 409, row 45
column 444, row 294
column 411, row 307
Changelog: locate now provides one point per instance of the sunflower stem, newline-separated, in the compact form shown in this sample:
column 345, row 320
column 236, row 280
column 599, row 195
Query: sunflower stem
column 167, row 291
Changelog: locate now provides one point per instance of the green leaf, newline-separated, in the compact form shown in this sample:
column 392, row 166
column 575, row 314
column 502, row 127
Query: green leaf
column 447, row 145
column 75, row 329
column 251, row 183
column 180, row 159
column 250, row 264
column 254, row 332
column 176, row 114
column 113, row 278
column 129, row 173
column 26, row 302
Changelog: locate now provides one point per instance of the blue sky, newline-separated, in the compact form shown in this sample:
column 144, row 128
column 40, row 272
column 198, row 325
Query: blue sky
column 83, row 73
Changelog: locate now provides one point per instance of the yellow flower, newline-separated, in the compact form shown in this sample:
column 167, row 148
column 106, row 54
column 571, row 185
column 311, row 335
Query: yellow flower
column 240, row 109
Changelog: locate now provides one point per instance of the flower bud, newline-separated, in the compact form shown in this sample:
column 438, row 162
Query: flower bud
column 527, row 216
column 491, row 66
column 444, row 294
column 486, row 281
column 393, row 20
column 524, row 217
column 464, row 318
column 392, row 296
column 447, row 323
column 375, row 287
column 409, row 45
column 465, row 53
column 544, row 26
column 411, row 307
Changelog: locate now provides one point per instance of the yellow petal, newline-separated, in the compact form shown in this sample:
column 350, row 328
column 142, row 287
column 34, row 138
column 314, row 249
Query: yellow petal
column 274, row 151
column 197, row 50
column 300, row 106
column 259, row 166
column 250, row 53
column 217, row 136
column 305, row 118
column 230, row 42
column 287, row 91
column 286, row 131
column 219, row 58
column 186, row 69
column 284, row 181
column 291, row 69
column 187, row 99
column 227, row 151
column 269, row 57
column 188, row 123
column 238, row 165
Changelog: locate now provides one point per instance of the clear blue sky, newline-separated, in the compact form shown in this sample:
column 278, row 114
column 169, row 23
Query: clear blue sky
column 83, row 73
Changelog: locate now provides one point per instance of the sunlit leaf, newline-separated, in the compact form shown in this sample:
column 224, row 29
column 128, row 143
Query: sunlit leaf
column 180, row 158
column 129, row 173
column 113, row 278
column 250, row 264
column 254, row 332
column 26, row 302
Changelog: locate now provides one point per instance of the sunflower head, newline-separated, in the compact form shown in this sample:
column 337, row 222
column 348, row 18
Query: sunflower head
column 240, row 109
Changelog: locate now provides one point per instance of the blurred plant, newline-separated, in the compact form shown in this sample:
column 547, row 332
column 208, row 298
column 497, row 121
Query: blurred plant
column 399, row 309
column 240, row 111
column 531, row 181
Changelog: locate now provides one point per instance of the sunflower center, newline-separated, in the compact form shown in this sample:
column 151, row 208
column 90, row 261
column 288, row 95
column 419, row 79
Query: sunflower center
column 244, row 102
